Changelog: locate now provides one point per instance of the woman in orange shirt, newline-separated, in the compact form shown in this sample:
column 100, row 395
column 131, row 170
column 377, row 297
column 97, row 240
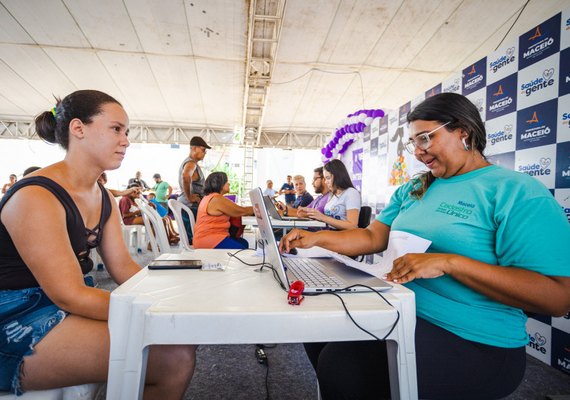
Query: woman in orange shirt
column 214, row 213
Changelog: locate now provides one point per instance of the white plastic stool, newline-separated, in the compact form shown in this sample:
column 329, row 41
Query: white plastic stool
column 80, row 392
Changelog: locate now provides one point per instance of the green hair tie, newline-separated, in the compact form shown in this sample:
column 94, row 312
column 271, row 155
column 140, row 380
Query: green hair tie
column 53, row 111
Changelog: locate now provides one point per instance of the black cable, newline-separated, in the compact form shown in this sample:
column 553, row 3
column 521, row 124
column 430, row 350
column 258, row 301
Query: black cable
column 512, row 25
column 244, row 262
column 335, row 293
column 261, row 264
column 264, row 360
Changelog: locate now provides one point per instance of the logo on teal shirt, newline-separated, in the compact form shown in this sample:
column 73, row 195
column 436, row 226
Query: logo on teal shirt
column 461, row 210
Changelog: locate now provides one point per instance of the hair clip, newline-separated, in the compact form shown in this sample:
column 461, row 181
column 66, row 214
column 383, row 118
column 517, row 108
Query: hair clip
column 53, row 111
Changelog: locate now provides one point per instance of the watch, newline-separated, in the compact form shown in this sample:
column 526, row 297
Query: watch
column 286, row 212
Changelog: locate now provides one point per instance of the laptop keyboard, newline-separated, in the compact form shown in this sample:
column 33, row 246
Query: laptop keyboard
column 310, row 272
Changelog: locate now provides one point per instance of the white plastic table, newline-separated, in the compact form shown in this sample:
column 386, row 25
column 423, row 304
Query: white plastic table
column 285, row 224
column 239, row 306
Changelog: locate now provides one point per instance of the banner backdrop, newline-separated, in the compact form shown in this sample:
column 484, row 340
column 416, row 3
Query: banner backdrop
column 522, row 92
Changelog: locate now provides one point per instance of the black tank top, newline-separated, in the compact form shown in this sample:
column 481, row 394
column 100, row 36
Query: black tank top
column 14, row 274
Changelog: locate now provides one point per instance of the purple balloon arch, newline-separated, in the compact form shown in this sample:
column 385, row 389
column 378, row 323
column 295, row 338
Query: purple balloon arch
column 348, row 130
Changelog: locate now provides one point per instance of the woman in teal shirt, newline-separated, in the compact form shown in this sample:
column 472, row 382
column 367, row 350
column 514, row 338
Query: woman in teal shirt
column 499, row 244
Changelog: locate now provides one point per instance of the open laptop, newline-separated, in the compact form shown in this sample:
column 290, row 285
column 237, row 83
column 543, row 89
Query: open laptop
column 274, row 213
column 336, row 274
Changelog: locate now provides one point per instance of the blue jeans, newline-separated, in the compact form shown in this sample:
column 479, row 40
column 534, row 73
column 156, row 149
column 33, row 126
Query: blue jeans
column 233, row 243
column 186, row 220
column 26, row 317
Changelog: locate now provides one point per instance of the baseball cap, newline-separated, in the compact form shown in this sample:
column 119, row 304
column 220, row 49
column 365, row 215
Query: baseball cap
column 198, row 141
column 156, row 176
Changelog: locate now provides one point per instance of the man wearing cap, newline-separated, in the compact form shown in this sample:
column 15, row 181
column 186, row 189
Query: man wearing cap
column 162, row 190
column 191, row 179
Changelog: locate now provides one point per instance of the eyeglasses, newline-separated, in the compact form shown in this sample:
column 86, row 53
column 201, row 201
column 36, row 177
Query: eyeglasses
column 423, row 140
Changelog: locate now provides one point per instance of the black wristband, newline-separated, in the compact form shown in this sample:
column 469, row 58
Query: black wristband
column 286, row 212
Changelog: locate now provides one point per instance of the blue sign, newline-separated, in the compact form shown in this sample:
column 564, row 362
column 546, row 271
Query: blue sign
column 502, row 97
column 540, row 42
column 563, row 165
column 564, row 81
column 403, row 113
column 475, row 77
column 433, row 91
column 374, row 147
column 366, row 134
column 559, row 350
column 383, row 125
column 536, row 125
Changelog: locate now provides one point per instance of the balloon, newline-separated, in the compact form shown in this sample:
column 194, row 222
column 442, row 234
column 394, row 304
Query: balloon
column 361, row 117
column 368, row 121
column 328, row 154
column 379, row 114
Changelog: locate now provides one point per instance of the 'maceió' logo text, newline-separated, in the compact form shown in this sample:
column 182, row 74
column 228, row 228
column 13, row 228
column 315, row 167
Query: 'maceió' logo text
column 542, row 44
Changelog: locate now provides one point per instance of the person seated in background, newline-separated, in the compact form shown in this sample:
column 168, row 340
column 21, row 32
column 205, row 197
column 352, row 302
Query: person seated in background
column 319, row 203
column 493, row 257
column 162, row 189
column 117, row 193
column 323, row 195
column 173, row 237
column 13, row 180
column 212, row 229
column 269, row 191
column 130, row 212
column 304, row 198
column 139, row 181
column 343, row 206
column 54, row 329
column 151, row 197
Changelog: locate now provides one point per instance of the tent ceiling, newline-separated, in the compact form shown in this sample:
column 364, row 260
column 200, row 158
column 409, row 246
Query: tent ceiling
column 185, row 64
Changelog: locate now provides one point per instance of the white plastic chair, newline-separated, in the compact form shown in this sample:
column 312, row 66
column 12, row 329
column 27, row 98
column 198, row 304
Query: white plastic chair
column 177, row 207
column 155, row 230
column 88, row 391
column 133, row 235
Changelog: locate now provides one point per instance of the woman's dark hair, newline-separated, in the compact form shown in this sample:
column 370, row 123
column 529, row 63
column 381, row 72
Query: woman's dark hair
column 341, row 179
column 53, row 126
column 460, row 113
column 215, row 183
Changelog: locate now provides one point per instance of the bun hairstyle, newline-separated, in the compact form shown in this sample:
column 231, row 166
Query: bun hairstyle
column 53, row 126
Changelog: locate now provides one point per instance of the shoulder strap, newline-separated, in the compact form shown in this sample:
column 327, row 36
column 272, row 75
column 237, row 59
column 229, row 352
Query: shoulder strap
column 59, row 192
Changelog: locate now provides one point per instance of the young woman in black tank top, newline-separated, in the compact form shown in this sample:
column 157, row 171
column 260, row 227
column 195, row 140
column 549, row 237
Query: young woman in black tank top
column 48, row 223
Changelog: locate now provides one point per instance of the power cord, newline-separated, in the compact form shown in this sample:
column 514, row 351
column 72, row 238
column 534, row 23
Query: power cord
column 261, row 264
column 335, row 293
column 263, row 360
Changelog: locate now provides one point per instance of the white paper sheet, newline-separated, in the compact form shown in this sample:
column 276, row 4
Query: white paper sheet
column 399, row 243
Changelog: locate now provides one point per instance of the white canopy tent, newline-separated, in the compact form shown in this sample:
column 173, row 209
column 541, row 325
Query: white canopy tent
column 272, row 73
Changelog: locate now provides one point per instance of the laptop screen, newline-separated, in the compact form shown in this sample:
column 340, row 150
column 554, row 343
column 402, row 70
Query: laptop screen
column 272, row 255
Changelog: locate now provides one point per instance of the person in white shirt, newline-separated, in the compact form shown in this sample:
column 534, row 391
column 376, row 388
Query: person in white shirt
column 269, row 191
column 343, row 206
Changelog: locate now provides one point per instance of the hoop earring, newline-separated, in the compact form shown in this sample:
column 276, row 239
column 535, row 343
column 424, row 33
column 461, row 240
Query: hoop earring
column 465, row 145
